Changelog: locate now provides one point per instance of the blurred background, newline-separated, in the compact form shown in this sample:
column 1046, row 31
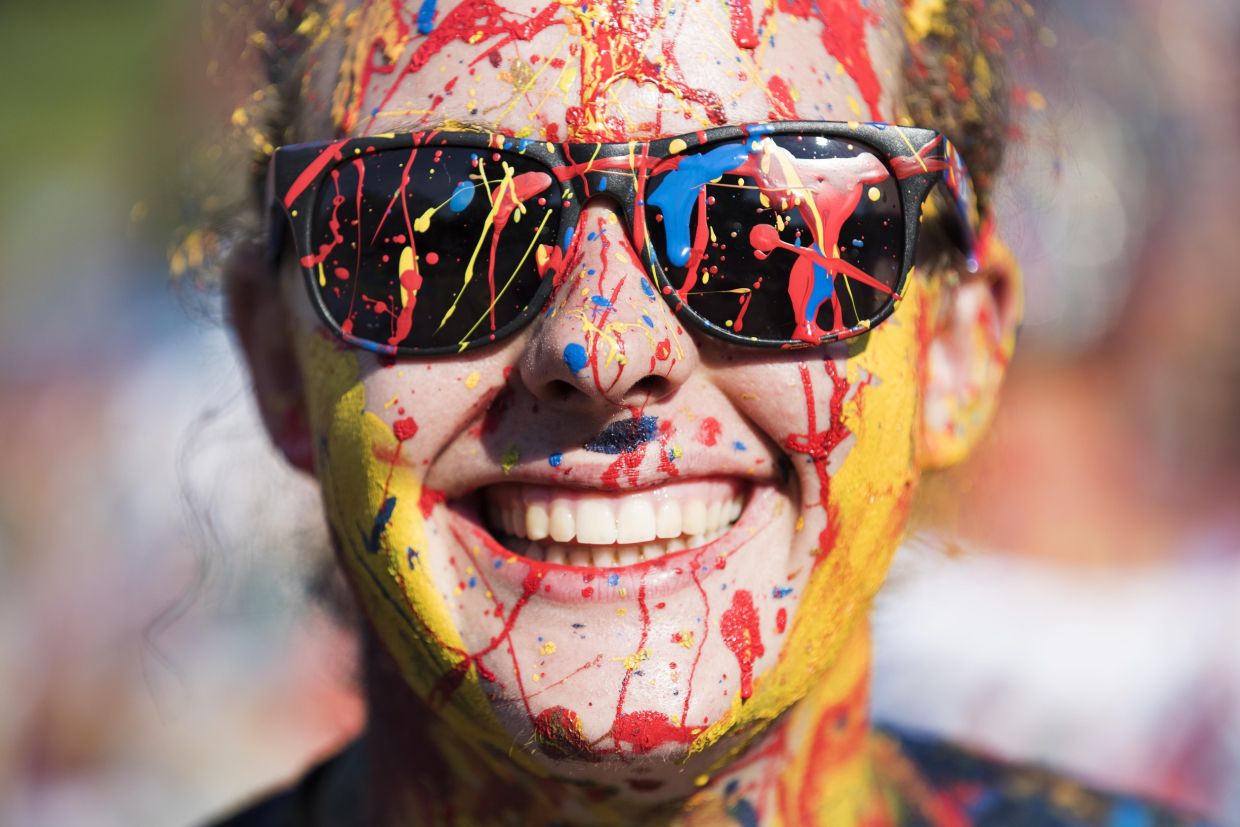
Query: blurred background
column 1070, row 596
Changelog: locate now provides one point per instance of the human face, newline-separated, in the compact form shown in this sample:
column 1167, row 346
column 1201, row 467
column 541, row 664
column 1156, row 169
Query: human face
column 606, row 414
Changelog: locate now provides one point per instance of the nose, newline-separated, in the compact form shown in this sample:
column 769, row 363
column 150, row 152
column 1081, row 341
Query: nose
column 607, row 339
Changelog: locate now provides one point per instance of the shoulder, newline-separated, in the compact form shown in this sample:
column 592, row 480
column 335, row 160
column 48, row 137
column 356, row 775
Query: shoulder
column 324, row 795
column 953, row 785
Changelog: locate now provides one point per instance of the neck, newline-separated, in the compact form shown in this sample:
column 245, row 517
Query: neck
column 810, row 767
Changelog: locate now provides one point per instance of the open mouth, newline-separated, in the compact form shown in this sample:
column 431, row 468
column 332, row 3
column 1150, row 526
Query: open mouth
column 607, row 529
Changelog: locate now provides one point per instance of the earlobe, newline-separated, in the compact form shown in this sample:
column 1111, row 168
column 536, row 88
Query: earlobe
column 972, row 339
column 260, row 316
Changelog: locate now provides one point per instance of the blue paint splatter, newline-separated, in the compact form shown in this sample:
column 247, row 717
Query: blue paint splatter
column 647, row 288
column 575, row 357
column 624, row 436
column 649, row 321
column 780, row 592
column 568, row 238
column 613, row 579
column 602, row 183
column 426, row 17
column 462, row 196
column 555, row 459
column 677, row 193
column 744, row 813
column 739, row 446
column 381, row 520
column 602, row 301
column 1129, row 813
column 411, row 557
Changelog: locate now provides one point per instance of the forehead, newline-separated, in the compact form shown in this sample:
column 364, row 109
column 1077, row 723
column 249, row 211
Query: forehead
column 607, row 70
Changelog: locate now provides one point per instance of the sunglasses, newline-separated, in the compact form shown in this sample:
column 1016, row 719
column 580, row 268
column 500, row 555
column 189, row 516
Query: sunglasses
column 787, row 234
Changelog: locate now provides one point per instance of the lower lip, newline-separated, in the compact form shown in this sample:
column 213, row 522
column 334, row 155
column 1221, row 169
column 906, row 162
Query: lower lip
column 590, row 584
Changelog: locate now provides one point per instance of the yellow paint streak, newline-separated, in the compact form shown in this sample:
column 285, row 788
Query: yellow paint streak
column 870, row 493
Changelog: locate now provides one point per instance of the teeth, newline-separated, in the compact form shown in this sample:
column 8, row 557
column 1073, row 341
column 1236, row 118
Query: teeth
column 563, row 527
column 667, row 524
column 588, row 528
column 596, row 523
column 693, row 517
column 635, row 521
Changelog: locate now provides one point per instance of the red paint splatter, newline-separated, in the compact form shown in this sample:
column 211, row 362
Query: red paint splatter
column 708, row 431
column 739, row 627
column 844, row 25
column 743, row 34
column 430, row 498
column 646, row 730
column 405, row 428
column 783, row 107
column 781, row 620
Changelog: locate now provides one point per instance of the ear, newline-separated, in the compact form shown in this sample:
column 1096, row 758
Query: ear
column 259, row 314
column 972, row 338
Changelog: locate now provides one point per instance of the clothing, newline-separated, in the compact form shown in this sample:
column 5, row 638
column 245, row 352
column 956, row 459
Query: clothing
column 939, row 785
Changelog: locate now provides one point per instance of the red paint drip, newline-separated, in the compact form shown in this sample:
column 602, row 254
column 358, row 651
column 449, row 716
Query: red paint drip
column 646, row 730
column 844, row 25
column 739, row 627
column 781, row 621
column 430, row 498
column 742, row 25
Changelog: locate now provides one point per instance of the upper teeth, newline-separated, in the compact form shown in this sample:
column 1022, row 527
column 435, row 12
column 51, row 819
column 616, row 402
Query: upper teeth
column 598, row 518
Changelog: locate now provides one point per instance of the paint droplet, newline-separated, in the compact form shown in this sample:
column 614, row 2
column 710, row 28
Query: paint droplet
column 575, row 357
column 432, row 258
column 555, row 459
column 405, row 428
column 874, row 193
column 472, row 380
column 676, row 147
column 547, row 648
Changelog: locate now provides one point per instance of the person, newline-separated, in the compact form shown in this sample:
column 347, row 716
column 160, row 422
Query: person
column 618, row 336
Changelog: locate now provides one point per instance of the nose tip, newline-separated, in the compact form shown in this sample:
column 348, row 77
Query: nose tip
column 607, row 340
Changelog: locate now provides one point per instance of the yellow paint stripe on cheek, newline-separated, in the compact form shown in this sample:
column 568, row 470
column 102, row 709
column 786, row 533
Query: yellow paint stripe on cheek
column 372, row 501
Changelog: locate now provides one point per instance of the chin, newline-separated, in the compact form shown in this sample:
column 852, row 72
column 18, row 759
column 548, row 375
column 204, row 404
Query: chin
column 620, row 626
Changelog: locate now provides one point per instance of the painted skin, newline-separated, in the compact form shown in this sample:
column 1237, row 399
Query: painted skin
column 725, row 681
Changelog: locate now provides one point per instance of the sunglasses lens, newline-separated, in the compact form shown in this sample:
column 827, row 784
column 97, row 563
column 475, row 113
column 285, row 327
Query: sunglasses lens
column 433, row 247
column 780, row 238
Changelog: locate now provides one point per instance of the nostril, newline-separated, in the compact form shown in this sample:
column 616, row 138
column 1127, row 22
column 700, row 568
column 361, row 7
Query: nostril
column 557, row 390
column 651, row 387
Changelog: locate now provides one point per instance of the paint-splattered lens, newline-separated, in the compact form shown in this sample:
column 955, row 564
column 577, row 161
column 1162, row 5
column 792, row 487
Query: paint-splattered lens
column 431, row 247
column 778, row 238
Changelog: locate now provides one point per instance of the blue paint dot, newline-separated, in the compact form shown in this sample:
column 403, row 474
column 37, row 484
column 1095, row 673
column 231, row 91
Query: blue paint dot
column 858, row 243
column 649, row 321
column 497, row 563
column 739, row 446
column 555, row 459
column 462, row 196
column 602, row 183
column 647, row 288
column 780, row 592
column 575, row 357
column 602, row 301
column 426, row 17
column 473, row 581
column 613, row 579
column 568, row 238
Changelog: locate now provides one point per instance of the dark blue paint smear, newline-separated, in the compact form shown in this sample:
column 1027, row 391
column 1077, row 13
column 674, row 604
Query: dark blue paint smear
column 426, row 17
column 575, row 357
column 381, row 520
column 677, row 193
column 624, row 436
column 744, row 813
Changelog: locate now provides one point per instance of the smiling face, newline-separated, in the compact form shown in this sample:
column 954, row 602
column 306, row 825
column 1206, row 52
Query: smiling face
column 608, row 537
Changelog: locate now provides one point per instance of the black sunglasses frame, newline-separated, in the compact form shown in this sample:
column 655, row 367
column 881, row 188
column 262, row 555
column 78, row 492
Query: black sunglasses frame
column 925, row 159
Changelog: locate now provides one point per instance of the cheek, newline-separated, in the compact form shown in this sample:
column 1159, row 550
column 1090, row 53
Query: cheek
column 371, row 450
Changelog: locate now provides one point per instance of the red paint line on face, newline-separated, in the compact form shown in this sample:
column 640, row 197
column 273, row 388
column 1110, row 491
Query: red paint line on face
column 743, row 34
column 844, row 25
column 741, row 633
column 616, row 731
